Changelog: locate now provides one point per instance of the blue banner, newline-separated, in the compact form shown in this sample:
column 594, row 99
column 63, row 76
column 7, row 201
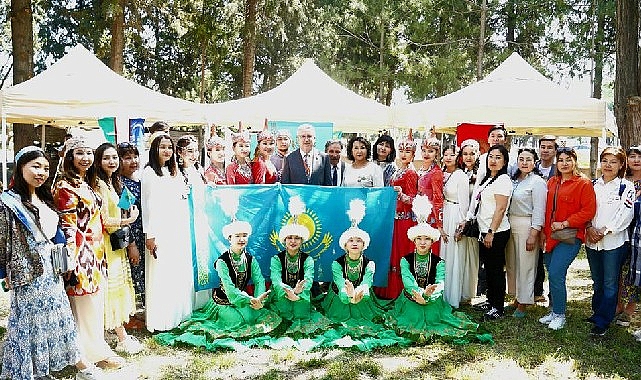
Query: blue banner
column 265, row 208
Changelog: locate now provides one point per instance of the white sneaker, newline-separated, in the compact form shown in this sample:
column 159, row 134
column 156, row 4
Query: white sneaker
column 558, row 322
column 131, row 345
column 547, row 319
column 90, row 373
column 637, row 335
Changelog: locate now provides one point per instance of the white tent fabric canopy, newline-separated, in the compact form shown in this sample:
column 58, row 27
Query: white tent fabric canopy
column 79, row 89
column 309, row 95
column 517, row 95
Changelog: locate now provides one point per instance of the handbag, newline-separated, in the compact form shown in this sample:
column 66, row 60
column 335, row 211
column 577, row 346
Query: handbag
column 120, row 238
column 566, row 235
column 471, row 229
column 61, row 260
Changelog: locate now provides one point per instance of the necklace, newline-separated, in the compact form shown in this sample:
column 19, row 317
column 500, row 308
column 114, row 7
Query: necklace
column 293, row 263
column 353, row 268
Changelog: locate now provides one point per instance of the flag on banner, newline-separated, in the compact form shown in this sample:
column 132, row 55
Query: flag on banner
column 325, row 216
column 127, row 199
column 108, row 126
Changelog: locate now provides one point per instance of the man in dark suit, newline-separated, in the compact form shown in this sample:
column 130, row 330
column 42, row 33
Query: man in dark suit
column 547, row 156
column 334, row 148
column 307, row 165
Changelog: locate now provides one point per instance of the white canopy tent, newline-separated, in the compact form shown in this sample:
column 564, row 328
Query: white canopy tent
column 79, row 89
column 517, row 95
column 309, row 95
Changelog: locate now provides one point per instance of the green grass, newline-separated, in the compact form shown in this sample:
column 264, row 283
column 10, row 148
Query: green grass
column 523, row 349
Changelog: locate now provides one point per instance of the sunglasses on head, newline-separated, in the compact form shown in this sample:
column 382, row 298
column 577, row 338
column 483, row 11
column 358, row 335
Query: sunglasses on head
column 125, row 144
column 565, row 149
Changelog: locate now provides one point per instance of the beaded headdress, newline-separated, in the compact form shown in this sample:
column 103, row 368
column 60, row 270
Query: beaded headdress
column 471, row 142
column 407, row 142
column 356, row 213
column 76, row 142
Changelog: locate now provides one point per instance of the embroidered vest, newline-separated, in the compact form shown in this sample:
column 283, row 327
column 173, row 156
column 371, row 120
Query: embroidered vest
column 422, row 281
column 239, row 279
column 292, row 278
column 341, row 260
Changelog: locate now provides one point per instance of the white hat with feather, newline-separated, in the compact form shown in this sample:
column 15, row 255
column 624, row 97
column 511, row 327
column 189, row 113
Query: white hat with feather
column 356, row 213
column 296, row 208
column 229, row 202
column 422, row 208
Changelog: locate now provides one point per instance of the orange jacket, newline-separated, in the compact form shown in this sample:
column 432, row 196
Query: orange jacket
column 575, row 202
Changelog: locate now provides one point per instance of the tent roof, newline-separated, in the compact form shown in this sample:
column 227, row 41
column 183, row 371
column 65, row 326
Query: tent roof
column 79, row 89
column 309, row 95
column 517, row 95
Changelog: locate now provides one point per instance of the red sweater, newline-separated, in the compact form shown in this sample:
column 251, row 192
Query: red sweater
column 575, row 202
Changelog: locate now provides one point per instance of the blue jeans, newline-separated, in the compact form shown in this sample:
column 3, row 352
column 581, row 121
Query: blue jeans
column 605, row 269
column 557, row 263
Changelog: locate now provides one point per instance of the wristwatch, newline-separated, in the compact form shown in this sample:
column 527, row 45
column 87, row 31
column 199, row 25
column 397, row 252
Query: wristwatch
column 489, row 231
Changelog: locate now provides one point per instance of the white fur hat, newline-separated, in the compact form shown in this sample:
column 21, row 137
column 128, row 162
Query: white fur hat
column 422, row 208
column 356, row 213
column 296, row 208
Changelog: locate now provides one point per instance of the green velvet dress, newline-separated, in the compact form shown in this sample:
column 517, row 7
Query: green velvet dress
column 286, row 271
column 227, row 320
column 435, row 318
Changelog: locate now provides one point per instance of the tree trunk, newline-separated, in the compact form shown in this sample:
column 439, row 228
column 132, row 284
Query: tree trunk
column 479, row 57
column 22, row 45
column 597, row 53
column 510, row 22
column 627, row 74
column 249, row 46
column 117, row 37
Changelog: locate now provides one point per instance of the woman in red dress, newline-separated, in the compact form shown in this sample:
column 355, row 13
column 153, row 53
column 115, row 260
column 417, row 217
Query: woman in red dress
column 405, row 181
column 238, row 171
column 263, row 170
column 430, row 183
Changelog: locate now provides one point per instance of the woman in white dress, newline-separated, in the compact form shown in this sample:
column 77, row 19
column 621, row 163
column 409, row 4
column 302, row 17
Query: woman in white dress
column 361, row 172
column 187, row 150
column 457, row 201
column 165, row 213
column 468, row 161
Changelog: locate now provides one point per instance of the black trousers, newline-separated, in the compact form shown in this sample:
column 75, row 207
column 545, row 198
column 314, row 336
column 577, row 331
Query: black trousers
column 540, row 276
column 494, row 259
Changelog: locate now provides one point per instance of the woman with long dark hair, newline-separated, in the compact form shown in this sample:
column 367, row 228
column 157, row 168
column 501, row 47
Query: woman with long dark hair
column 120, row 297
column 263, row 170
column 165, row 221
column 39, row 310
column 493, row 195
column 80, row 219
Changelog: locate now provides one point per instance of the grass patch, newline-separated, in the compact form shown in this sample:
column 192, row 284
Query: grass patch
column 313, row 363
column 352, row 368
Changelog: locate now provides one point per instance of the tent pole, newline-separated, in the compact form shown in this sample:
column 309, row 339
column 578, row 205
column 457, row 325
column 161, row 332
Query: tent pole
column 42, row 137
column 5, row 137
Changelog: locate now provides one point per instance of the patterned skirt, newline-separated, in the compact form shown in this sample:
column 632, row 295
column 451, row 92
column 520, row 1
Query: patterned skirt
column 41, row 333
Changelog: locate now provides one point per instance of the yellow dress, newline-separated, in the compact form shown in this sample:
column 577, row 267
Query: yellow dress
column 120, row 298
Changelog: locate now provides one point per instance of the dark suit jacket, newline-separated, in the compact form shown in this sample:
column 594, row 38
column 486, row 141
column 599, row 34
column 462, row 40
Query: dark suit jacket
column 294, row 169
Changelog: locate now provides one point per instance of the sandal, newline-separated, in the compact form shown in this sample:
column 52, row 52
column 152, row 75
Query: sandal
column 112, row 362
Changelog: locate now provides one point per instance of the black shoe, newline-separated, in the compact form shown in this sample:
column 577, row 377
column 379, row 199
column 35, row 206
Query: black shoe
column 483, row 306
column 492, row 315
column 597, row 331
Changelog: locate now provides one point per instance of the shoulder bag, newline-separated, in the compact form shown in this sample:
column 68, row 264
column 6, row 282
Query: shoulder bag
column 566, row 235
